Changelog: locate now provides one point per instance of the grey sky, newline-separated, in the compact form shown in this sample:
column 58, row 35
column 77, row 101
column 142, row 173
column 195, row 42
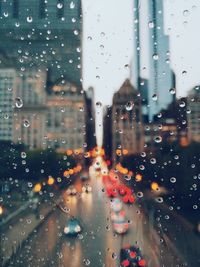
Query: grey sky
column 105, row 56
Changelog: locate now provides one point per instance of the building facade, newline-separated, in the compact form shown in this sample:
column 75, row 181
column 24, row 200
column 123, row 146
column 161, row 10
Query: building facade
column 42, row 34
column 127, row 129
column 8, row 84
column 30, row 109
column 193, row 114
column 66, row 118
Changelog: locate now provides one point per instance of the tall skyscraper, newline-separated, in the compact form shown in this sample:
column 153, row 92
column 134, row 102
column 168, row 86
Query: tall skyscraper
column 149, row 30
column 42, row 33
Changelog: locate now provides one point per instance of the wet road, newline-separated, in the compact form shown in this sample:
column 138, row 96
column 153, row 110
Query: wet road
column 97, row 245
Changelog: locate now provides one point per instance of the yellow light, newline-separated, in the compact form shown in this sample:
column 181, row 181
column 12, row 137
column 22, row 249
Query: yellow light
column 76, row 151
column 138, row 177
column 118, row 152
column 1, row 210
column 71, row 171
column 37, row 188
column 69, row 152
column 154, row 186
column 66, row 173
column 125, row 151
column 51, row 180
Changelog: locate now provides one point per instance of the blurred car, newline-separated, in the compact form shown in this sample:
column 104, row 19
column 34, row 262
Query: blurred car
column 116, row 204
column 115, row 216
column 131, row 256
column 72, row 227
column 87, row 189
column 71, row 191
column 120, row 224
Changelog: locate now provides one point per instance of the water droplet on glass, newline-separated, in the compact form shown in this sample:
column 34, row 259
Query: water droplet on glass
column 140, row 194
column 127, row 177
column 186, row 12
column 99, row 104
column 151, row 24
column 59, row 5
column 159, row 199
column 142, row 167
column 114, row 255
column 153, row 161
column 182, row 104
column 173, row 180
column 23, row 155
column 89, row 38
column 158, row 139
column 143, row 154
column 154, row 97
column 155, row 56
column 17, row 24
column 81, row 109
column 86, row 262
column 18, row 102
column 26, row 123
column 29, row 19
column 184, row 72
column 172, row 91
column 72, row 5
column 129, row 105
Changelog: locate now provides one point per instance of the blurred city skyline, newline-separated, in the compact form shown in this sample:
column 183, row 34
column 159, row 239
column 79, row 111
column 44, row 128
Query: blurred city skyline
column 108, row 46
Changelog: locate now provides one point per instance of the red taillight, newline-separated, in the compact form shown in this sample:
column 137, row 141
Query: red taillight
column 132, row 254
column 125, row 199
column 125, row 263
column 141, row 263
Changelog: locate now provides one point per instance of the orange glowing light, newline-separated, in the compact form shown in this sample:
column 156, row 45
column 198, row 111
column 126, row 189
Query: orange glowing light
column 125, row 151
column 1, row 210
column 138, row 177
column 154, row 186
column 51, row 180
column 37, row 188
column 69, row 152
column 118, row 152
column 66, row 173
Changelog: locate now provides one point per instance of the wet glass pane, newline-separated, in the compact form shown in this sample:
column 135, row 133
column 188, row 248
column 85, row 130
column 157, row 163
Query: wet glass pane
column 99, row 133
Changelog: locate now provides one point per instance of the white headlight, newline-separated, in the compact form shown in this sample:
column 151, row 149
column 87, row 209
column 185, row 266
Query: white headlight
column 77, row 229
column 66, row 230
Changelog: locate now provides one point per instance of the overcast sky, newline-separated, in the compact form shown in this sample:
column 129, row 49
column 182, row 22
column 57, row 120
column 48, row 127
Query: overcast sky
column 108, row 44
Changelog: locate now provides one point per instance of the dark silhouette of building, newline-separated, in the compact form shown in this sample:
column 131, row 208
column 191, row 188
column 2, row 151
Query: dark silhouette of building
column 90, row 119
column 107, row 132
column 127, row 128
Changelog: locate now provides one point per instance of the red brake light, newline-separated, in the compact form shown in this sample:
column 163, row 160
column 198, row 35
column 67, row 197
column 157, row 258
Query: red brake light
column 125, row 263
column 141, row 263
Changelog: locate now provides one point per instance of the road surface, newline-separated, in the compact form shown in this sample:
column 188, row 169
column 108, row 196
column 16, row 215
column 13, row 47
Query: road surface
column 97, row 245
